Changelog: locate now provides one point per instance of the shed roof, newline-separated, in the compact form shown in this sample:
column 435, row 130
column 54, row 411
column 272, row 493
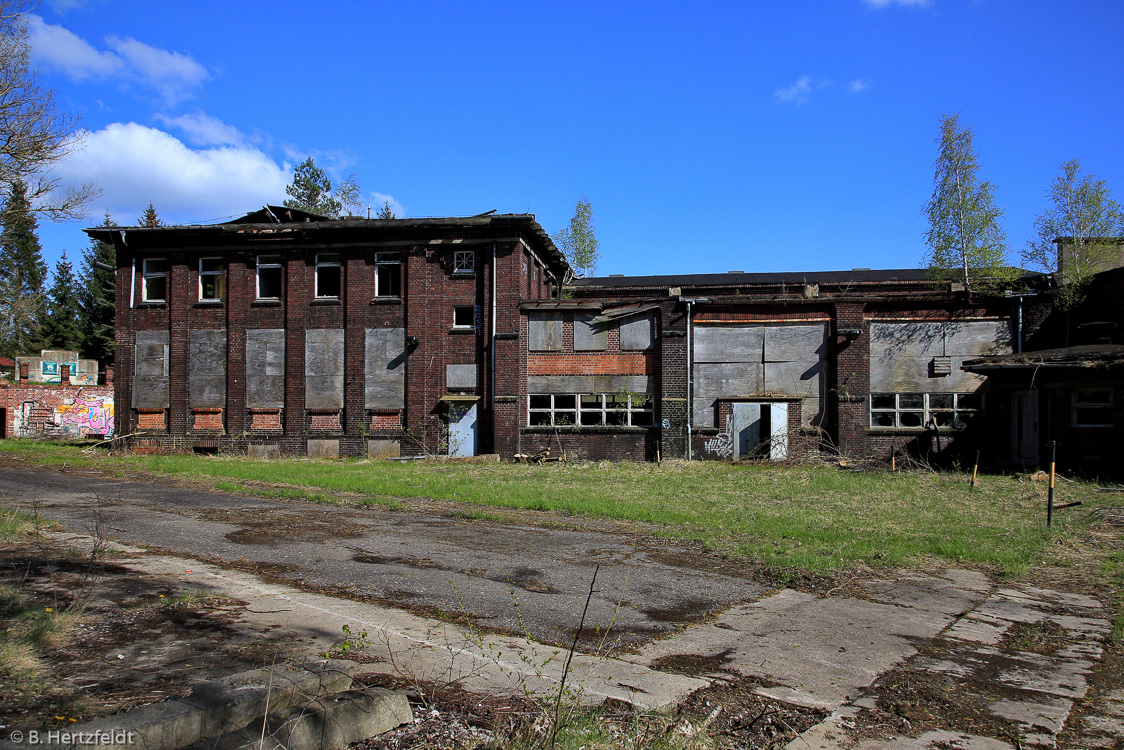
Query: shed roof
column 740, row 278
column 1091, row 355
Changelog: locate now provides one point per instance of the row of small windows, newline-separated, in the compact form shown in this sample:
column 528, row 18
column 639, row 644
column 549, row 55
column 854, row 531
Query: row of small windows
column 591, row 410
column 917, row 410
column 269, row 269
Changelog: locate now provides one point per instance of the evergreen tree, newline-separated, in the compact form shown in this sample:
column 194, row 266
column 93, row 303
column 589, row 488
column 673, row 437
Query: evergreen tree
column 62, row 326
column 98, row 290
column 386, row 212
column 21, row 258
column 311, row 190
column 149, row 218
column 966, row 241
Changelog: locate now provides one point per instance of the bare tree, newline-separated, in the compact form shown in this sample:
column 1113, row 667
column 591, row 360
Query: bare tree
column 34, row 134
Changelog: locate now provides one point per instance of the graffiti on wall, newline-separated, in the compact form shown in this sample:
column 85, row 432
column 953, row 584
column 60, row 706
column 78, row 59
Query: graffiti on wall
column 77, row 417
column 722, row 444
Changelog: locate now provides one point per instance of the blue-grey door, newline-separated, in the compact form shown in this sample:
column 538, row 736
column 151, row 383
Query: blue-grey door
column 462, row 429
column 745, row 429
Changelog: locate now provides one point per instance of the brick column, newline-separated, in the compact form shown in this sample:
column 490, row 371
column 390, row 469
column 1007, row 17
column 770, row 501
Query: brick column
column 850, row 382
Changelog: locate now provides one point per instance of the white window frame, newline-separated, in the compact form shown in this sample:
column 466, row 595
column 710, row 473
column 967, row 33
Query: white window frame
column 464, row 261
column 146, row 274
column 268, row 263
column 328, row 260
column 925, row 409
column 592, row 410
column 1080, row 404
column 472, row 317
column 220, row 285
column 388, row 263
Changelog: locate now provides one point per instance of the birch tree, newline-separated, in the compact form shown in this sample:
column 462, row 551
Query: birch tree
column 578, row 240
column 966, row 241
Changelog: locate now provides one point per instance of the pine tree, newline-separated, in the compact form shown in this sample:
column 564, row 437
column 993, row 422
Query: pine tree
column 311, row 190
column 21, row 257
column 150, row 218
column 23, row 272
column 62, row 326
column 386, row 212
column 98, row 290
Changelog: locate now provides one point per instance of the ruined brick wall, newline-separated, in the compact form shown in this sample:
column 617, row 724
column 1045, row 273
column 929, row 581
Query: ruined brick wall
column 56, row 411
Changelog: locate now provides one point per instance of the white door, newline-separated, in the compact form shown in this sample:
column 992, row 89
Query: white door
column 760, row 429
column 462, row 429
column 778, row 431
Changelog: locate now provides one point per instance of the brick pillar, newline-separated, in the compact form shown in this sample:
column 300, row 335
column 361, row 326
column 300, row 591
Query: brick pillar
column 64, row 375
column 851, row 386
column 25, row 371
column 109, row 374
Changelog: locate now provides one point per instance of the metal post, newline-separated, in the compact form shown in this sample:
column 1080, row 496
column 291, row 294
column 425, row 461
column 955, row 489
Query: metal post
column 975, row 470
column 1053, row 446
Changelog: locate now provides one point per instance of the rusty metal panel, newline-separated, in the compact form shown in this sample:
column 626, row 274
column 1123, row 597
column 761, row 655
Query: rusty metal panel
column 385, row 376
column 206, row 368
column 589, row 384
column 265, row 368
column 638, row 333
column 150, row 376
column 590, row 335
column 323, row 368
column 902, row 353
column 545, row 331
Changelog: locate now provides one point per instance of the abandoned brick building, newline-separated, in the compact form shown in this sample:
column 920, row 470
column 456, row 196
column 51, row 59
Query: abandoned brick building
column 285, row 333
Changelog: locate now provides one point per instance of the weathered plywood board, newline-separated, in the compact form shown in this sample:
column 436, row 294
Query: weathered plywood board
column 590, row 336
column 638, row 333
column 796, row 342
column 901, row 352
column 460, row 376
column 150, row 377
column 323, row 368
column 265, row 368
column 589, row 384
column 206, row 368
column 385, row 376
column 718, row 344
column 544, row 331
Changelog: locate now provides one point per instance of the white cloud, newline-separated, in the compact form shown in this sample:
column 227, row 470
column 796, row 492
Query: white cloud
column 204, row 130
column 858, row 85
column 134, row 164
column 173, row 74
column 879, row 4
column 797, row 93
column 61, row 48
column 378, row 200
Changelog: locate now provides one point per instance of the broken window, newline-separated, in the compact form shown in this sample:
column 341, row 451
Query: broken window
column 464, row 261
column 464, row 316
column 921, row 410
column 592, row 410
column 328, row 274
column 155, row 273
column 269, row 277
column 388, row 275
column 212, row 279
column 1092, row 408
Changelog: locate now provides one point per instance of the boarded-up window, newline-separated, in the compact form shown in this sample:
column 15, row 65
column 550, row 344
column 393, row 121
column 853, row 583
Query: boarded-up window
column 637, row 333
column 545, row 331
column 323, row 368
column 206, row 363
column 460, row 376
column 385, row 368
column 902, row 353
column 589, row 335
column 265, row 368
column 150, row 373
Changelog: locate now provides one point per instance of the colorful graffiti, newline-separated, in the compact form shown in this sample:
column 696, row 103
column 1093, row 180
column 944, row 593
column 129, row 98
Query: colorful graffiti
column 90, row 414
column 80, row 416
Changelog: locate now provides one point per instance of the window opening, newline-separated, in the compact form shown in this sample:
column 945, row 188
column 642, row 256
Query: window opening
column 1092, row 408
column 212, row 279
column 591, row 410
column 388, row 275
column 269, row 277
column 328, row 273
column 463, row 317
column 920, row 410
column 464, row 261
column 155, row 273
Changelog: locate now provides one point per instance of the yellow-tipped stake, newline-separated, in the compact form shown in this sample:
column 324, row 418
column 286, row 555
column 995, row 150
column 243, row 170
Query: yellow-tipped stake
column 975, row 470
column 1050, row 496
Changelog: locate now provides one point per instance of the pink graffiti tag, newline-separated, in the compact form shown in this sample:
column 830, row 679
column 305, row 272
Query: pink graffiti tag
column 94, row 413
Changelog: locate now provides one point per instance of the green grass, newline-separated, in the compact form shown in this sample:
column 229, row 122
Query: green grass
column 813, row 518
column 14, row 524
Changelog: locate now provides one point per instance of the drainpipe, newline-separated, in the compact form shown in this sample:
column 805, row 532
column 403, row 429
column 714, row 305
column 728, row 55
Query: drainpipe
column 1019, row 316
column 492, row 352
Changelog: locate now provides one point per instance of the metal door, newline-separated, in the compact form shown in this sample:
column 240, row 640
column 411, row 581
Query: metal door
column 745, row 429
column 778, row 431
column 462, row 429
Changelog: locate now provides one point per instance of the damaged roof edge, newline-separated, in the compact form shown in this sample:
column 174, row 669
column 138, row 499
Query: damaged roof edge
column 266, row 219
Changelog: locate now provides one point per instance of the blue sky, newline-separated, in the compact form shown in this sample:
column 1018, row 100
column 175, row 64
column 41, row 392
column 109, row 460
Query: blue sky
column 715, row 136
